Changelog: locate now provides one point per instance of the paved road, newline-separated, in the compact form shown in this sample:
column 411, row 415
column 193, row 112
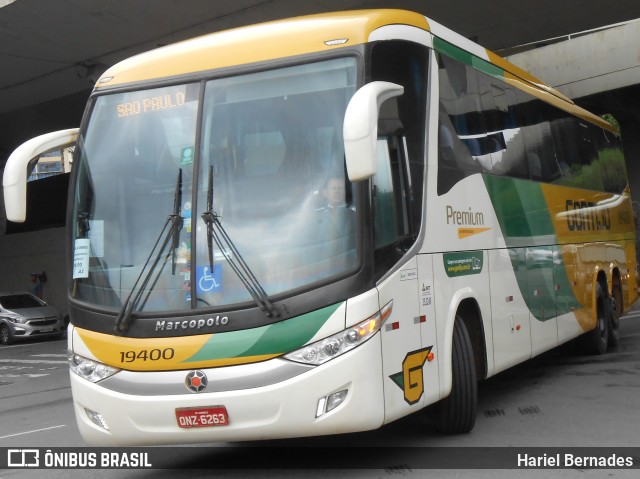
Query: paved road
column 559, row 399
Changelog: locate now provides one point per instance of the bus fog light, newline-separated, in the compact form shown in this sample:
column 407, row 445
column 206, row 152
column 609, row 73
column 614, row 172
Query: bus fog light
column 334, row 400
column 96, row 418
column 330, row 402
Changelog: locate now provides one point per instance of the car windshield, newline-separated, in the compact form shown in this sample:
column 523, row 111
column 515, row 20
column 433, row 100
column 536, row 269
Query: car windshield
column 19, row 301
column 266, row 171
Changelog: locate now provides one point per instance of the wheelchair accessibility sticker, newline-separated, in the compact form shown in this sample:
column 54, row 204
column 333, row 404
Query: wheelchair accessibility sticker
column 208, row 281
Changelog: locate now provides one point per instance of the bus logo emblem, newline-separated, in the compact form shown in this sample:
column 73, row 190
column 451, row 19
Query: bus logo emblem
column 411, row 379
column 196, row 381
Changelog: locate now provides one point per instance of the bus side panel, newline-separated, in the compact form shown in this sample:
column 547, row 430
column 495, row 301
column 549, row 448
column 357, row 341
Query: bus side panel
column 403, row 357
column 542, row 285
column 461, row 276
column 568, row 325
column 510, row 315
column 428, row 327
column 630, row 279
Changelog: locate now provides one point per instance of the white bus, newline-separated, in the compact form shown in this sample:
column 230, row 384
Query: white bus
column 323, row 224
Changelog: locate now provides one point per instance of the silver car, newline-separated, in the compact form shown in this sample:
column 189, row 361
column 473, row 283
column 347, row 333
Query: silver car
column 22, row 316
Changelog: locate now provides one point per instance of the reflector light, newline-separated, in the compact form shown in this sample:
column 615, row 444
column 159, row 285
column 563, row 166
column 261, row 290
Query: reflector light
column 337, row 41
column 96, row 418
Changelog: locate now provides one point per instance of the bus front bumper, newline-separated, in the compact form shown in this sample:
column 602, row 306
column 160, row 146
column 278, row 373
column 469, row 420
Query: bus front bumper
column 284, row 409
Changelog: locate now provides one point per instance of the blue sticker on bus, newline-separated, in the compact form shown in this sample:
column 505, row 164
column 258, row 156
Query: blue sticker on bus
column 207, row 281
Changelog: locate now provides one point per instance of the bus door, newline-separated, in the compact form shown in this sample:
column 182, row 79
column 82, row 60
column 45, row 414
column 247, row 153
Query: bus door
column 408, row 336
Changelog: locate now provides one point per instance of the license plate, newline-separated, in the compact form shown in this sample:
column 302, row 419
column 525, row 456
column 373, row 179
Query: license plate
column 188, row 417
column 46, row 330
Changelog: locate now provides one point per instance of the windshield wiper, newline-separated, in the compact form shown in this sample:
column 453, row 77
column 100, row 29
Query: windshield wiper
column 217, row 233
column 170, row 231
column 177, row 226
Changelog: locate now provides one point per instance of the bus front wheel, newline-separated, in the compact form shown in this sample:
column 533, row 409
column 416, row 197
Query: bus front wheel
column 456, row 414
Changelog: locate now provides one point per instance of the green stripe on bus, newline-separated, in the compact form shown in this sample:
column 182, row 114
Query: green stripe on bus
column 526, row 223
column 467, row 58
column 521, row 209
column 273, row 339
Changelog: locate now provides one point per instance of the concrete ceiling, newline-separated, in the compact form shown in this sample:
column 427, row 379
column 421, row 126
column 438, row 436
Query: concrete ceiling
column 54, row 48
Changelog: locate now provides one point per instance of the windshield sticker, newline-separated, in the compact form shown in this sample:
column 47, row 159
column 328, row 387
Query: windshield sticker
column 462, row 264
column 187, row 156
column 208, row 282
column 81, row 250
column 96, row 235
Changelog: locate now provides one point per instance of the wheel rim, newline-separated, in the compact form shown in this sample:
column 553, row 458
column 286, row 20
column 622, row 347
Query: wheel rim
column 4, row 334
column 602, row 324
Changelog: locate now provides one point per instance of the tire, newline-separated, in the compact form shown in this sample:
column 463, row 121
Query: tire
column 456, row 414
column 596, row 341
column 5, row 335
column 616, row 309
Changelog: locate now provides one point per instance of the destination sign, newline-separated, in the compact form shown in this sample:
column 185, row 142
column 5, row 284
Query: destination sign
column 151, row 104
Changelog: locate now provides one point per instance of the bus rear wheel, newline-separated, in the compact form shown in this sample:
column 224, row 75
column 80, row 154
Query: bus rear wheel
column 596, row 341
column 615, row 311
column 456, row 414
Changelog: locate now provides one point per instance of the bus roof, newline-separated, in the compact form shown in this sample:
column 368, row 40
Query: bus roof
column 311, row 34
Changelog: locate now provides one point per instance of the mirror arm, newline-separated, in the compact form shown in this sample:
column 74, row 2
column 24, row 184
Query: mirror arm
column 360, row 129
column 14, row 181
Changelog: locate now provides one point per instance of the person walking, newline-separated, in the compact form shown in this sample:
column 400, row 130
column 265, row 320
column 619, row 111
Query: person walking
column 36, row 286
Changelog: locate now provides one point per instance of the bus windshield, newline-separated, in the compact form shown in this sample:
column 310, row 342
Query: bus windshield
column 267, row 165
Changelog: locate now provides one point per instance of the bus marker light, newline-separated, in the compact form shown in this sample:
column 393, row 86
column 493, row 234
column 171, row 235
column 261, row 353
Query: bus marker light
column 337, row 41
column 431, row 357
column 320, row 408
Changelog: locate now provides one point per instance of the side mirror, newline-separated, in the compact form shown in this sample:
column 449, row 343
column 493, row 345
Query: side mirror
column 360, row 129
column 14, row 181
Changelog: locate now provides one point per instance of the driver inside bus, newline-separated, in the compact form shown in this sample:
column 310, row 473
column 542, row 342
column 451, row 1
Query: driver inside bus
column 332, row 229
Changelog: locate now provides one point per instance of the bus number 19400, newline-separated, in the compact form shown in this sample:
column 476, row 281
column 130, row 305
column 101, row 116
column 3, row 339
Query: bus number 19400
column 147, row 355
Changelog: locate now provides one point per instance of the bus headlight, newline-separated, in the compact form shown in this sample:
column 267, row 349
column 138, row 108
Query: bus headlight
column 88, row 369
column 333, row 346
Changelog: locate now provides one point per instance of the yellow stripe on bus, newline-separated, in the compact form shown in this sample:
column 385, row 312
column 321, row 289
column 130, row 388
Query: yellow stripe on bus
column 257, row 43
column 142, row 354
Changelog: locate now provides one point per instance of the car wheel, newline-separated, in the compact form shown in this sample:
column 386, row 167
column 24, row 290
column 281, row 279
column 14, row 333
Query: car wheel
column 5, row 335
